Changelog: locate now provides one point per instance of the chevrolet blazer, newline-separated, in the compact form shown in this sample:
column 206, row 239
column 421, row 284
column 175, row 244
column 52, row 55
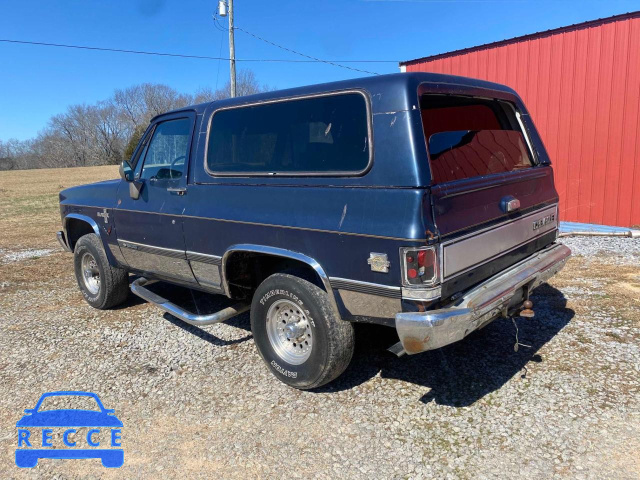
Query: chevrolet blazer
column 418, row 201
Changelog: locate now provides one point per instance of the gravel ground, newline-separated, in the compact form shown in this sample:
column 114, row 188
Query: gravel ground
column 614, row 250
column 198, row 402
column 9, row 257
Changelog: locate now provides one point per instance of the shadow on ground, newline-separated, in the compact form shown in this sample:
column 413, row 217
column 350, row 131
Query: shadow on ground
column 457, row 375
column 131, row 301
column 201, row 303
column 462, row 373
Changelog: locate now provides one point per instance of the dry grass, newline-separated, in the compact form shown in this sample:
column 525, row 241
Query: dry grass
column 615, row 291
column 29, row 212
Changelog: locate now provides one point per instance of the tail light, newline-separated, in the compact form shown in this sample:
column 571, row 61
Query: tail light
column 419, row 266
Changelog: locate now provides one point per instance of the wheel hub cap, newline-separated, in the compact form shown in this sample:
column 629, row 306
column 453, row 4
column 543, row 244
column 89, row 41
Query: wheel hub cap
column 289, row 332
column 294, row 331
column 90, row 273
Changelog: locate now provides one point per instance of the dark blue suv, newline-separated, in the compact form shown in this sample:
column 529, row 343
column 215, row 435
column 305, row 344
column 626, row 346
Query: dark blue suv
column 418, row 201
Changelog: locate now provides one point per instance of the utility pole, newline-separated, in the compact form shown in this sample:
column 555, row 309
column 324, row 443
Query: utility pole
column 222, row 10
column 232, row 51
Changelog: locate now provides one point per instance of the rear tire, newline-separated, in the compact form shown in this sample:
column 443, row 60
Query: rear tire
column 102, row 285
column 298, row 333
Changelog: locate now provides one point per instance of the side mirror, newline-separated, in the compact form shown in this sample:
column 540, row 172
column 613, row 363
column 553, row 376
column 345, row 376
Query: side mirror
column 126, row 171
column 29, row 410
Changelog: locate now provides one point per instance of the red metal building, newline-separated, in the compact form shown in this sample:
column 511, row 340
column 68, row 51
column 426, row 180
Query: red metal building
column 581, row 84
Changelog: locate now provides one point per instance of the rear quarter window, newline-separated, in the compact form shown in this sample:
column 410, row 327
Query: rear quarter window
column 469, row 137
column 323, row 135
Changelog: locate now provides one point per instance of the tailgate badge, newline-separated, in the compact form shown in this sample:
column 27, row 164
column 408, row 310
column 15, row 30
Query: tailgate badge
column 379, row 262
column 543, row 221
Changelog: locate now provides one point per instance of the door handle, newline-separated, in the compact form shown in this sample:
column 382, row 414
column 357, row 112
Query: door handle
column 177, row 190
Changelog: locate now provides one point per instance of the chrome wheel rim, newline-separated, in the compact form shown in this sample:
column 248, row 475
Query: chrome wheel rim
column 289, row 332
column 90, row 273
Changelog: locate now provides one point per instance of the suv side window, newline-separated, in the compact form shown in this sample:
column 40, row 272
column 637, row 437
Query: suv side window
column 166, row 154
column 324, row 135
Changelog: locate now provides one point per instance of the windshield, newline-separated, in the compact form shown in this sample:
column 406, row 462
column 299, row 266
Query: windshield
column 468, row 137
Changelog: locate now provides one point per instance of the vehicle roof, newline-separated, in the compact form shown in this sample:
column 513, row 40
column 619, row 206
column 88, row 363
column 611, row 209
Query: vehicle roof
column 390, row 93
column 398, row 160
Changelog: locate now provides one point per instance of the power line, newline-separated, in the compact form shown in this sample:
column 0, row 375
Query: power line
column 197, row 57
column 222, row 28
column 311, row 59
column 118, row 50
column 315, row 59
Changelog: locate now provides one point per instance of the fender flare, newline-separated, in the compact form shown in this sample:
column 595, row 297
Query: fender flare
column 84, row 218
column 283, row 253
column 96, row 229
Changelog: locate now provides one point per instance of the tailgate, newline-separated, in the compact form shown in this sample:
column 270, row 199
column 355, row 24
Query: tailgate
column 466, row 252
column 492, row 196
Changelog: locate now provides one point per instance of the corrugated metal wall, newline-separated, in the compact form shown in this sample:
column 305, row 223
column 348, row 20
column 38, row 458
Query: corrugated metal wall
column 582, row 87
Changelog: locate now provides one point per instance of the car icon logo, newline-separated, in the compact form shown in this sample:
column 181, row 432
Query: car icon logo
column 36, row 432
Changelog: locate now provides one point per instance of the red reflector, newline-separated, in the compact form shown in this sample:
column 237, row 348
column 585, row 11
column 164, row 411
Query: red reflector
column 410, row 259
column 413, row 273
column 421, row 255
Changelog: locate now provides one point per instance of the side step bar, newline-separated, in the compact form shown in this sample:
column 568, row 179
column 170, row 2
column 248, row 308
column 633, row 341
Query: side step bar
column 138, row 288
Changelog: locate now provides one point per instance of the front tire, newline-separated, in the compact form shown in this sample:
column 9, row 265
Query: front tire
column 102, row 285
column 298, row 333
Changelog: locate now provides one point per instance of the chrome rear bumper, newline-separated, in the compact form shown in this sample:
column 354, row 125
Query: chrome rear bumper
column 421, row 331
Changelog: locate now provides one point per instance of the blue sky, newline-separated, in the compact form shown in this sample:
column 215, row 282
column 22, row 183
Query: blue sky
column 38, row 82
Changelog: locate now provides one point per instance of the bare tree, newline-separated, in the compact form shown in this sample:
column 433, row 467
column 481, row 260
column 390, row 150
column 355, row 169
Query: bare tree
column 17, row 154
column 75, row 127
column 207, row 94
column 130, row 103
column 140, row 103
column 52, row 149
column 246, row 84
column 108, row 131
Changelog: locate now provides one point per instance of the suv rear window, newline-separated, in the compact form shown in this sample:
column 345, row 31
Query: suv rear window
column 319, row 135
column 468, row 137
